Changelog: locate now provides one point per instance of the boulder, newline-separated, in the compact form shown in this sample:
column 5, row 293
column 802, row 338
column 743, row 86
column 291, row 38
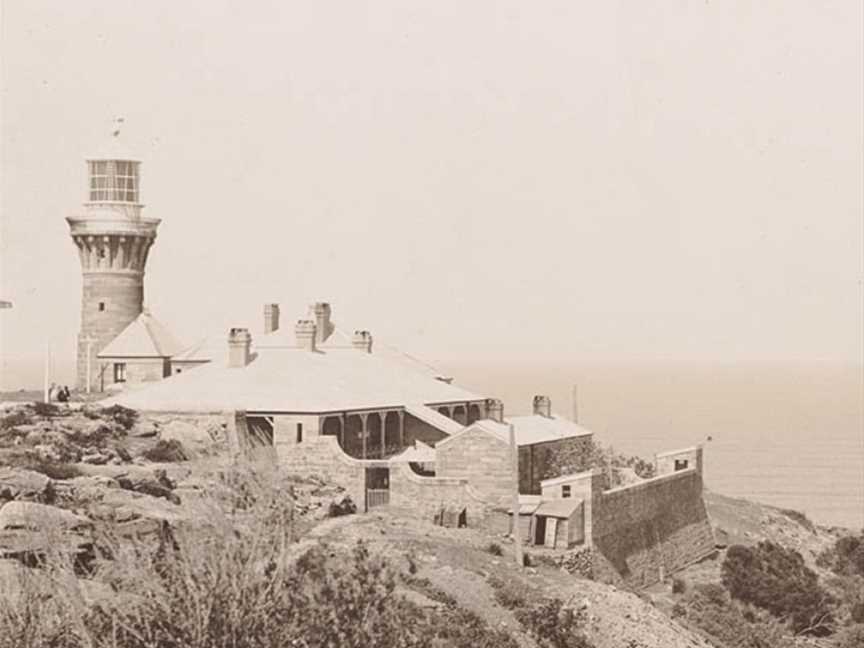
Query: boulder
column 198, row 438
column 35, row 516
column 144, row 428
column 29, row 530
column 21, row 484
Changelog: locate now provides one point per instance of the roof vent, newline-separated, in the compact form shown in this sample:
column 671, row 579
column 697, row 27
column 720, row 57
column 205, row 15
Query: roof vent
column 543, row 406
column 304, row 330
column 362, row 340
column 239, row 345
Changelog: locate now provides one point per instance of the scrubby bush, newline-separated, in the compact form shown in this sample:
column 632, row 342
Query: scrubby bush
column 553, row 625
column 47, row 410
column 850, row 637
column 507, row 594
column 14, row 419
column 123, row 416
column 495, row 549
column 800, row 518
column 777, row 580
column 166, row 451
column 679, row 586
column 344, row 506
column 709, row 608
column 593, row 455
column 845, row 556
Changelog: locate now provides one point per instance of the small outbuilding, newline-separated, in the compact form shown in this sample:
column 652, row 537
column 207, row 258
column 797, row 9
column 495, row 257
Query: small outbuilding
column 559, row 524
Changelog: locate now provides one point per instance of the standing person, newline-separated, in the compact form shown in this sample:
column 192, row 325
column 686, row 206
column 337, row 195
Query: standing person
column 52, row 393
column 63, row 394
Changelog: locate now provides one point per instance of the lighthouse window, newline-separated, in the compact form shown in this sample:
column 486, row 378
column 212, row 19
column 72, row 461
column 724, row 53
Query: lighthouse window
column 114, row 180
column 101, row 306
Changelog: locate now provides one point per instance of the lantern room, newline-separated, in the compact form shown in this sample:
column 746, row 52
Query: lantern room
column 113, row 181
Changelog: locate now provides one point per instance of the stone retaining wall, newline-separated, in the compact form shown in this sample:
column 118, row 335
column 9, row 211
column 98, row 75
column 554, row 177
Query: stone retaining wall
column 646, row 531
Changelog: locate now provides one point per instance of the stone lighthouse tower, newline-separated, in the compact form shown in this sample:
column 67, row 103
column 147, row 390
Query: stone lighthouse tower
column 113, row 241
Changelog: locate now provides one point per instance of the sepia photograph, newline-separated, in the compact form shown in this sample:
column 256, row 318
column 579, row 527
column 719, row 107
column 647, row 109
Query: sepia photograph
column 431, row 324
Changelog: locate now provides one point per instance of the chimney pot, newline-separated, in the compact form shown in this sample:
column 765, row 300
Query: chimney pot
column 362, row 340
column 271, row 318
column 304, row 330
column 239, row 345
column 543, row 406
column 495, row 410
column 321, row 311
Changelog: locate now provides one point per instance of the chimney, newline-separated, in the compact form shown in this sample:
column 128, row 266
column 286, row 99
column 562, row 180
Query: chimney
column 305, row 332
column 362, row 340
column 495, row 410
column 543, row 406
column 271, row 318
column 239, row 343
column 323, row 327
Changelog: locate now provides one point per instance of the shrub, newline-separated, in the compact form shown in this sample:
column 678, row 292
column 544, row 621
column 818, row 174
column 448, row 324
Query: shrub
column 495, row 549
column 55, row 470
column 850, row 637
column 507, row 594
column 344, row 506
column 46, row 410
column 845, row 557
column 777, row 580
column 16, row 418
column 709, row 608
column 123, row 416
column 552, row 625
column 166, row 451
column 679, row 586
column 800, row 518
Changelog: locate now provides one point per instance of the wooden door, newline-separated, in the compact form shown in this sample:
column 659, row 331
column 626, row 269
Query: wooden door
column 551, row 532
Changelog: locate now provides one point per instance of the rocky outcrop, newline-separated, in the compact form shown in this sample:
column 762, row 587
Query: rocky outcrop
column 19, row 484
column 29, row 530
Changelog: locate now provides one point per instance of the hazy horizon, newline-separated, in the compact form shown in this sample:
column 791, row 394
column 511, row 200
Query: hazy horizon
column 543, row 185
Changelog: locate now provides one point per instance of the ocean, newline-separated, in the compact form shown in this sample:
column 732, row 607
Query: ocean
column 792, row 437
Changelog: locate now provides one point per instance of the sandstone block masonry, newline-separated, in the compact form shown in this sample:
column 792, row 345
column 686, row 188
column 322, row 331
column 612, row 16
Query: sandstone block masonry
column 643, row 532
column 113, row 241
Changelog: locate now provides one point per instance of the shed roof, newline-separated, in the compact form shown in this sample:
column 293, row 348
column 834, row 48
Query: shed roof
column 434, row 418
column 145, row 337
column 559, row 508
column 529, row 430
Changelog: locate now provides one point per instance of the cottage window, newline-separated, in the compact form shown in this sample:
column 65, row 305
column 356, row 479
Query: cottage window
column 565, row 491
column 680, row 464
column 101, row 306
column 299, row 433
column 119, row 372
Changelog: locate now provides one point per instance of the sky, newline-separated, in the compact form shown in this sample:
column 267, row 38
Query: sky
column 486, row 184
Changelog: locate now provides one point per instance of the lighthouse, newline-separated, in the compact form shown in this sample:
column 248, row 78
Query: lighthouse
column 113, row 240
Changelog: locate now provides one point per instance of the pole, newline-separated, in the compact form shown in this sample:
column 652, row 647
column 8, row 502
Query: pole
column 575, row 403
column 46, row 372
column 517, row 535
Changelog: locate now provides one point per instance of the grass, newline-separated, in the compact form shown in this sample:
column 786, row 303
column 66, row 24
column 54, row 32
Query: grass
column 235, row 579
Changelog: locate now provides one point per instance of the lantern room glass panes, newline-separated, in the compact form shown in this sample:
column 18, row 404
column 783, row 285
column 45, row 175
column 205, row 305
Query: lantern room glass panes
column 114, row 181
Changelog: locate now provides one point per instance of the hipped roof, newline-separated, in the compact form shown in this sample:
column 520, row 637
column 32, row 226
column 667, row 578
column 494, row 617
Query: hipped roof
column 284, row 379
column 145, row 337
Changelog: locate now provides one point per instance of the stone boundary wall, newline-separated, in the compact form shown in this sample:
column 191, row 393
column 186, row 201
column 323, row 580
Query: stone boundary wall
column 322, row 456
column 643, row 532
column 424, row 496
